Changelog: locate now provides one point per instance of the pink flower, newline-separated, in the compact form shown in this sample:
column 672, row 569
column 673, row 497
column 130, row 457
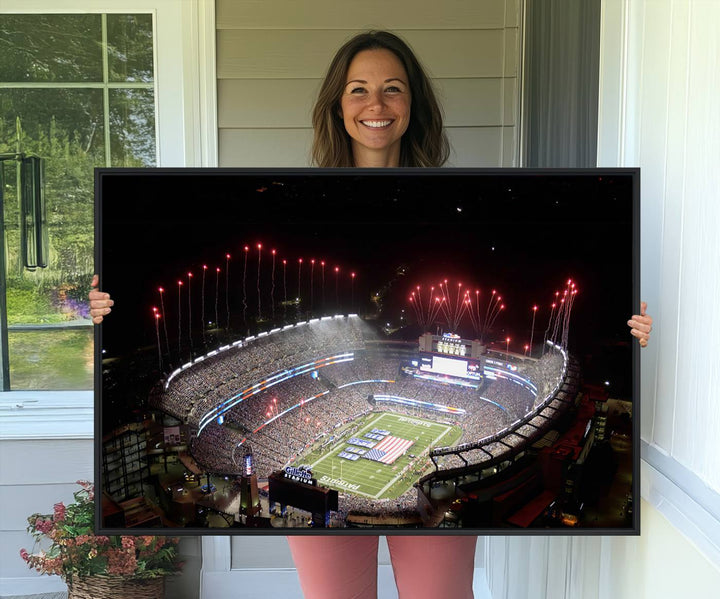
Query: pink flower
column 24, row 554
column 53, row 565
column 121, row 561
column 59, row 512
column 44, row 526
column 128, row 542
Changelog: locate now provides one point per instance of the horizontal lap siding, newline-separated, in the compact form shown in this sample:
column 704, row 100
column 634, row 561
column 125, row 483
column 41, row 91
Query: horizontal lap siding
column 271, row 58
column 331, row 14
column 35, row 475
column 307, row 54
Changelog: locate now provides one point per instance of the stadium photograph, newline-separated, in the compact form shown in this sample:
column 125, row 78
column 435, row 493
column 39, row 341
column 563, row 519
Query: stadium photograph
column 406, row 350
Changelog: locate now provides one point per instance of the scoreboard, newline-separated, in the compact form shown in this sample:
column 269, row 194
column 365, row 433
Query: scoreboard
column 454, row 367
column 448, row 358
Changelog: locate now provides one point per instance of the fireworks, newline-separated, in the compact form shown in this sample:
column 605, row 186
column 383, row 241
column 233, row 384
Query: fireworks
column 560, row 326
column 454, row 302
column 162, row 313
column 227, row 290
column 453, row 305
column 259, row 247
column 265, row 279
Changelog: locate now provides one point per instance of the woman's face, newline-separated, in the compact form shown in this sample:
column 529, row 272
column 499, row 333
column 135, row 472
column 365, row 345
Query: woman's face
column 375, row 107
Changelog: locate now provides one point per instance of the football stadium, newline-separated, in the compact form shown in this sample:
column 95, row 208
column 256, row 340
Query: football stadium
column 394, row 427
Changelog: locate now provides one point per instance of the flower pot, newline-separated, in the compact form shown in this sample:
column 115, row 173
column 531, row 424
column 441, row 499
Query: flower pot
column 116, row 587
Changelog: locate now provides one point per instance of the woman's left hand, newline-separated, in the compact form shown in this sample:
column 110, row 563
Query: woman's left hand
column 641, row 325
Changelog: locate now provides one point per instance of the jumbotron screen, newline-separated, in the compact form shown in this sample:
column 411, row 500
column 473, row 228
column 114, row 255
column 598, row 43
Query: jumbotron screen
column 456, row 367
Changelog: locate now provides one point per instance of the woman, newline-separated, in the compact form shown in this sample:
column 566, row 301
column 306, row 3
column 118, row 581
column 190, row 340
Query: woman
column 377, row 108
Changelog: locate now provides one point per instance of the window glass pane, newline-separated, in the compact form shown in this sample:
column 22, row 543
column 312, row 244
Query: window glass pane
column 53, row 122
column 50, row 332
column 132, row 127
column 50, row 48
column 65, row 128
column 130, row 48
column 55, row 359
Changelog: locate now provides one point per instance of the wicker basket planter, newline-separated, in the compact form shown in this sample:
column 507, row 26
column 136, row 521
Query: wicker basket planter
column 116, row 587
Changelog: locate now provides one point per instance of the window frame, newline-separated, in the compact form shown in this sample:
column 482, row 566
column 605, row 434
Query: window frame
column 186, row 134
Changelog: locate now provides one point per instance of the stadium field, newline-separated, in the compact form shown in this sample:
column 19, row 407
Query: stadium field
column 375, row 479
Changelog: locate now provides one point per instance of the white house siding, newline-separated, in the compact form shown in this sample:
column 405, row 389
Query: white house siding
column 35, row 475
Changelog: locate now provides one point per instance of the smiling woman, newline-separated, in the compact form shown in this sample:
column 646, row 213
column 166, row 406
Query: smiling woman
column 375, row 107
column 363, row 114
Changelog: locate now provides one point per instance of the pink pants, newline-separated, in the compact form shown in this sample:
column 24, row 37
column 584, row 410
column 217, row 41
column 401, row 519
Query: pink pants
column 339, row 567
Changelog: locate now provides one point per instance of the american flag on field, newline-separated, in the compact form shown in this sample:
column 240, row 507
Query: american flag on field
column 388, row 450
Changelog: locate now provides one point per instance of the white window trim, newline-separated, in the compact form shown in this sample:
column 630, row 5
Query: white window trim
column 680, row 495
column 690, row 505
column 186, row 122
column 46, row 415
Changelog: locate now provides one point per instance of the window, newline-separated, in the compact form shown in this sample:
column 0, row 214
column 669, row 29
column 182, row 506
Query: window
column 78, row 91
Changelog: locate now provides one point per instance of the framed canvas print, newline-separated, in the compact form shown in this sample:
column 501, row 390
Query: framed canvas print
column 348, row 351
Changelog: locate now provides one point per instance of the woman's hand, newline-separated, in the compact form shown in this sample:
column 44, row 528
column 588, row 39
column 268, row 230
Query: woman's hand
column 100, row 302
column 641, row 325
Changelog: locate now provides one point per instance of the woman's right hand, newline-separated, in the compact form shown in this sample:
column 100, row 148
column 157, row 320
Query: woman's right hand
column 100, row 302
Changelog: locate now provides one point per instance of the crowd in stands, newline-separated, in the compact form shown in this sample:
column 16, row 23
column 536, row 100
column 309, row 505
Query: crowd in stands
column 403, row 506
column 195, row 391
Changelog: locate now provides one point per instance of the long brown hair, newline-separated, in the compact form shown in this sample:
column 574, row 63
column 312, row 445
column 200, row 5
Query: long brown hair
column 423, row 144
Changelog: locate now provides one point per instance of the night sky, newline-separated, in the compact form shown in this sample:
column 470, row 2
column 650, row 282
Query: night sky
column 522, row 233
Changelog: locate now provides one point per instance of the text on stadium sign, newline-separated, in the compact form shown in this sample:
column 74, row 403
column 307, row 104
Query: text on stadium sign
column 298, row 474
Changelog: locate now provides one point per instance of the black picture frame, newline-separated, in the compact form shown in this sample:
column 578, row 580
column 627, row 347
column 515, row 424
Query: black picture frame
column 519, row 233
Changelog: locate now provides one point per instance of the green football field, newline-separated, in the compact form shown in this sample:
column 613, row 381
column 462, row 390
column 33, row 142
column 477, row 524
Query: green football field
column 375, row 479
